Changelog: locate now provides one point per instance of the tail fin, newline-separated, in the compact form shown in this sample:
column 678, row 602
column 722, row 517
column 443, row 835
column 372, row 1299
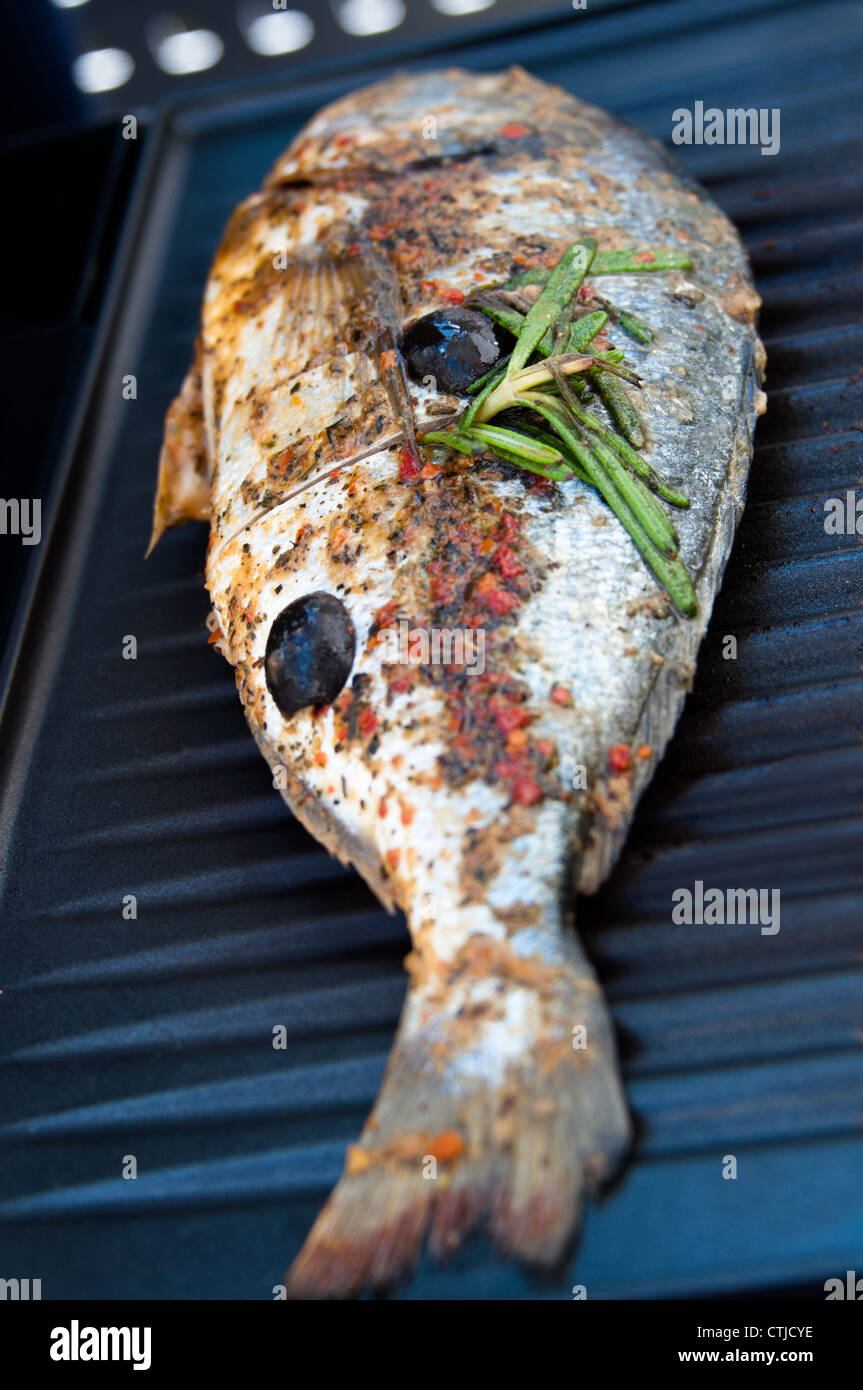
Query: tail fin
column 501, row 1107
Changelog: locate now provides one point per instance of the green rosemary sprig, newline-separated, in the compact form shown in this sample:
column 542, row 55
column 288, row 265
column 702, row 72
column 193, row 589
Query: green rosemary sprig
column 631, row 263
column 612, row 263
column 552, row 364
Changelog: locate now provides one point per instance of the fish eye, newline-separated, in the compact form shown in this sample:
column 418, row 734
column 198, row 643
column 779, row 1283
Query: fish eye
column 455, row 346
column 310, row 652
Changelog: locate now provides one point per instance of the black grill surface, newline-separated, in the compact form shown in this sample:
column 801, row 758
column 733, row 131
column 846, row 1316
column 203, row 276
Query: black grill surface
column 152, row 1037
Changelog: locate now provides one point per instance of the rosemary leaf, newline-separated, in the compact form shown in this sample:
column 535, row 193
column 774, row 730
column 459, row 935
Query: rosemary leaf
column 628, row 262
column 516, row 443
column 584, row 330
column 561, row 285
column 535, row 276
column 635, row 327
column 556, row 473
column 508, row 318
column 612, row 263
column 455, row 439
column 629, row 322
column 619, row 407
column 478, row 385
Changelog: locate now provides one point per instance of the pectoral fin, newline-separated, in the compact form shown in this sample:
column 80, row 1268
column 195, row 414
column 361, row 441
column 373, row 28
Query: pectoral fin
column 183, row 490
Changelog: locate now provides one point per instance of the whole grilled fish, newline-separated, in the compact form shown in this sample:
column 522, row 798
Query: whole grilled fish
column 461, row 674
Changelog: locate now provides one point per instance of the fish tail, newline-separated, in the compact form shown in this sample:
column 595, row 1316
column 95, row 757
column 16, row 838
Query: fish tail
column 501, row 1109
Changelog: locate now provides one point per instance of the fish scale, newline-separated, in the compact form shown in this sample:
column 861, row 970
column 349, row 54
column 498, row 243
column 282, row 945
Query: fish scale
column 412, row 773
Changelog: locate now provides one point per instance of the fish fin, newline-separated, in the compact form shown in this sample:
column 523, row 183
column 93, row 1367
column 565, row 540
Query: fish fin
column 374, row 283
column 517, row 1143
column 183, row 488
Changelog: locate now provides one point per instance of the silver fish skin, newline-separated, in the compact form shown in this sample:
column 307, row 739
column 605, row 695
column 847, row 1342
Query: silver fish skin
column 475, row 800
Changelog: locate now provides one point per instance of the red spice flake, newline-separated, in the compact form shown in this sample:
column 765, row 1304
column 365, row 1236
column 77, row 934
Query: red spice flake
column 249, row 615
column 320, row 710
column 367, row 722
column 561, row 695
column 430, row 470
column 441, row 582
column 430, row 185
column 409, row 256
column 446, row 1146
column 514, row 130
column 500, row 602
column 214, row 636
column 385, row 615
column 399, row 684
column 525, row 791
column 321, row 759
column 451, row 294
column 340, row 535
column 380, row 233
column 393, row 857
column 389, row 360
column 355, row 249
column 508, row 716
column 645, row 257
column 544, row 747
column 509, row 768
column 620, row 757
column 429, row 286
column 382, row 809
column 507, row 562
column 409, row 469
column 644, row 751
column 479, row 275
column 342, row 140
column 407, row 815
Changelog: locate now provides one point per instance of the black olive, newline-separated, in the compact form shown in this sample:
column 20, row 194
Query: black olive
column 310, row 652
column 455, row 346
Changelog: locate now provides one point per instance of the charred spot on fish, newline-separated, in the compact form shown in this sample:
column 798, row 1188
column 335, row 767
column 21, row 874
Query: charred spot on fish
column 310, row 652
column 455, row 346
